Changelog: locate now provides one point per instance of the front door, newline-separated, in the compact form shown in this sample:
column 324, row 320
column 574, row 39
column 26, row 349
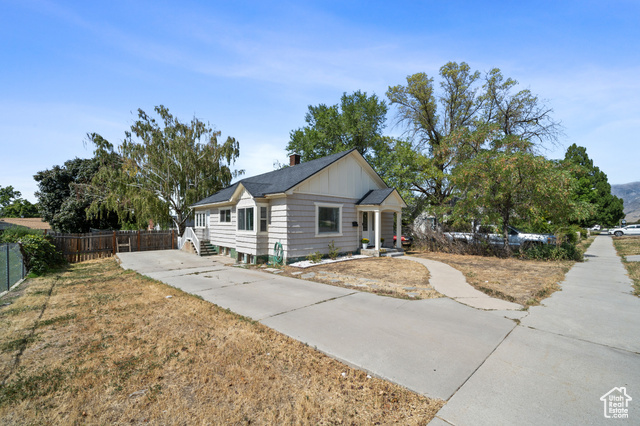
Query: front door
column 368, row 227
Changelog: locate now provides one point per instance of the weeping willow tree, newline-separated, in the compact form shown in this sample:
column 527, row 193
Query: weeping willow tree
column 160, row 169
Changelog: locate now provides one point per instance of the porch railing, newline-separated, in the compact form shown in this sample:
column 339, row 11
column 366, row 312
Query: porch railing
column 189, row 235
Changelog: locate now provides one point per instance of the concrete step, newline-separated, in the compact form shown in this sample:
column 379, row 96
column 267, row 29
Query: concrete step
column 394, row 254
column 207, row 249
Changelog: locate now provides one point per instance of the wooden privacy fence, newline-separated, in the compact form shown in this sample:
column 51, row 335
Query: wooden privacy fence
column 95, row 245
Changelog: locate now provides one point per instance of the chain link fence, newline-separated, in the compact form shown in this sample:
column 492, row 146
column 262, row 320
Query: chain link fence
column 12, row 267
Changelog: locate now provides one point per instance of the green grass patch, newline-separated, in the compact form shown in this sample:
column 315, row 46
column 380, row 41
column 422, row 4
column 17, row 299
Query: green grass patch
column 44, row 382
column 16, row 344
column 57, row 320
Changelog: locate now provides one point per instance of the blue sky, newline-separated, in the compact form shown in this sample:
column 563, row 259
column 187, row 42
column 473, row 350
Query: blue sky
column 252, row 68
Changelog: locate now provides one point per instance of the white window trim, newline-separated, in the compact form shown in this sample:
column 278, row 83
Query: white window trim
column 330, row 205
column 259, row 218
column 246, row 231
column 199, row 219
column 222, row 209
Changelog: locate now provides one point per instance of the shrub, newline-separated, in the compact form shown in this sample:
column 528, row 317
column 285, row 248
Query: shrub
column 333, row 251
column 39, row 254
column 13, row 234
column 568, row 234
column 564, row 251
column 314, row 257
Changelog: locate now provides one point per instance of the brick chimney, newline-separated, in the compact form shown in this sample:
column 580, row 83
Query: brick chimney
column 294, row 159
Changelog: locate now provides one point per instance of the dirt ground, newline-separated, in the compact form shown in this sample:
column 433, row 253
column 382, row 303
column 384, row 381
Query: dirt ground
column 521, row 281
column 98, row 345
column 382, row 275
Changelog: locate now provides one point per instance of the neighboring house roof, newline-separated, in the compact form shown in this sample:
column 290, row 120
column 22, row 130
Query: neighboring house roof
column 375, row 197
column 28, row 222
column 275, row 182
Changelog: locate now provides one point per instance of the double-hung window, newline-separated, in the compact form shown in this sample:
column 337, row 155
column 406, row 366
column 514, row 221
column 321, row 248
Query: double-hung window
column 263, row 219
column 245, row 219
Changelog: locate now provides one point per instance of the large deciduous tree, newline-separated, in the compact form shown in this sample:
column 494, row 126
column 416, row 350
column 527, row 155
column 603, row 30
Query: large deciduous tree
column 12, row 205
column 357, row 122
column 64, row 197
column 593, row 188
column 161, row 169
column 503, row 185
column 451, row 124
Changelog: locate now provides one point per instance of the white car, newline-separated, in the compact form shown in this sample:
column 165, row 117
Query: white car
column 627, row 230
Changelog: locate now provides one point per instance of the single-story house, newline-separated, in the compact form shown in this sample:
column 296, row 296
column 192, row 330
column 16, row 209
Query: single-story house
column 299, row 210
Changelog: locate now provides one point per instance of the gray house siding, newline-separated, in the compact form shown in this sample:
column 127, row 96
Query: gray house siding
column 278, row 225
column 301, row 221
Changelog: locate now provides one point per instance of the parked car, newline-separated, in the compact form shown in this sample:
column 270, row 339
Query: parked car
column 595, row 228
column 627, row 230
column 406, row 241
column 516, row 237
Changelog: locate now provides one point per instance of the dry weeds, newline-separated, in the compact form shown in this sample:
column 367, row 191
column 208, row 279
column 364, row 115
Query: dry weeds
column 381, row 275
column 526, row 282
column 629, row 246
column 99, row 345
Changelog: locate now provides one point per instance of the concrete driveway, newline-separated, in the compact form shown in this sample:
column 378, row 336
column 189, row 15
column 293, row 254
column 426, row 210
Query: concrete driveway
column 552, row 368
column 429, row 346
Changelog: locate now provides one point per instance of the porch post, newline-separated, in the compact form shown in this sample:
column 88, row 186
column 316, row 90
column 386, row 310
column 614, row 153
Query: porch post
column 399, row 229
column 378, row 223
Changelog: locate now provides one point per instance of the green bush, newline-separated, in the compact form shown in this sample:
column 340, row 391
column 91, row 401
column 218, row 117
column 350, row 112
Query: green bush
column 569, row 234
column 13, row 234
column 333, row 251
column 39, row 254
column 314, row 257
column 564, row 251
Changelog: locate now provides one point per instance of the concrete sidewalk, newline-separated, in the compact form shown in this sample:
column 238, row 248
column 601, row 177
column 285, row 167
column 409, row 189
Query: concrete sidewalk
column 429, row 346
column 566, row 354
column 452, row 283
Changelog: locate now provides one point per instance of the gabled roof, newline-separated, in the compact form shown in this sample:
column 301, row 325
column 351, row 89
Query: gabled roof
column 375, row 197
column 275, row 182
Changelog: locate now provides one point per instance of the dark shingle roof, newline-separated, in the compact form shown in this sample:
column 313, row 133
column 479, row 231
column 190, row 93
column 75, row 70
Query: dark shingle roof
column 375, row 196
column 277, row 181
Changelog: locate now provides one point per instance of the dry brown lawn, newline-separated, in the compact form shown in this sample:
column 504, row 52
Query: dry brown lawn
column 381, row 275
column 99, row 345
column 628, row 246
column 526, row 282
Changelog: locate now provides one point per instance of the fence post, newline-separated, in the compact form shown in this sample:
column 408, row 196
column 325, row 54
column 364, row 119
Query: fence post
column 138, row 240
column 172, row 237
column 114, row 243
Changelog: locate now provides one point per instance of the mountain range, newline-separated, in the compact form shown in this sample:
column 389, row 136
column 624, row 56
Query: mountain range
column 630, row 194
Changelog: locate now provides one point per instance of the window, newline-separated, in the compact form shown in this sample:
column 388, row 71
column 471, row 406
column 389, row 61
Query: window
column 199, row 219
column 225, row 215
column 245, row 219
column 328, row 219
column 263, row 219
